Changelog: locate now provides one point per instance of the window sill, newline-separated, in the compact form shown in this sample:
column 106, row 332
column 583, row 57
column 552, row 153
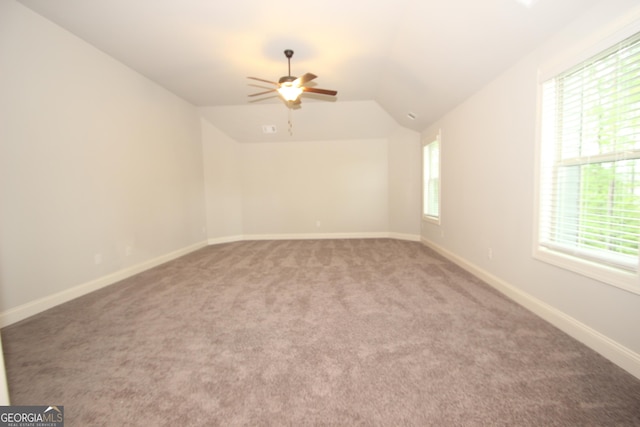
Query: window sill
column 431, row 219
column 622, row 279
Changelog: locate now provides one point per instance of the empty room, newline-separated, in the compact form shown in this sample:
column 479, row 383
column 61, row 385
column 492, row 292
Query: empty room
column 334, row 213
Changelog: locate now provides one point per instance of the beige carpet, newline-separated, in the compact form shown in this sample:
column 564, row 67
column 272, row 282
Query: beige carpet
column 328, row 332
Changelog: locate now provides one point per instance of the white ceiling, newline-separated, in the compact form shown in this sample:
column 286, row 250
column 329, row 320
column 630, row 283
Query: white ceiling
column 419, row 56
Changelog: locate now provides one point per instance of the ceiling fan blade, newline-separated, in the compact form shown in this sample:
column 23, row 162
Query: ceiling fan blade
column 322, row 91
column 263, row 93
column 302, row 80
column 263, row 80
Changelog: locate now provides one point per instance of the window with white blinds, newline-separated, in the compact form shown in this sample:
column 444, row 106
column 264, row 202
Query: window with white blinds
column 431, row 180
column 589, row 205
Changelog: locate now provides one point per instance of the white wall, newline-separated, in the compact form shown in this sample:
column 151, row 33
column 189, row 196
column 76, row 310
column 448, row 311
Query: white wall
column 223, row 183
column 488, row 151
column 4, row 390
column 94, row 159
column 97, row 163
column 289, row 186
column 353, row 187
column 405, row 175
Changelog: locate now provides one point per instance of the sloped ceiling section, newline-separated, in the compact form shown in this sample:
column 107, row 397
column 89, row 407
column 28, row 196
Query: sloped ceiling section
column 315, row 122
column 408, row 56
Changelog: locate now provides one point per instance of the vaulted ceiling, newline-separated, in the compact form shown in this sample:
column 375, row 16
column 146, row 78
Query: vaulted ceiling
column 387, row 58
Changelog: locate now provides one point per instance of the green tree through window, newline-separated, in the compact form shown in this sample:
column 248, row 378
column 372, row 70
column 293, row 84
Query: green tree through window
column 590, row 203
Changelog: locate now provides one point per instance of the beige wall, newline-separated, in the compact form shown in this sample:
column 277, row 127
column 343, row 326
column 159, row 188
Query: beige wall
column 4, row 390
column 94, row 160
column 488, row 184
column 97, row 160
column 354, row 187
column 105, row 174
column 223, row 183
column 289, row 186
column 405, row 182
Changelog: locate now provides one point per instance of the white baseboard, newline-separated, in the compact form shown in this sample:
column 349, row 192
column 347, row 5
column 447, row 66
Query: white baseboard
column 226, row 239
column 314, row 236
column 31, row 308
column 403, row 236
column 4, row 389
column 612, row 350
column 319, row 236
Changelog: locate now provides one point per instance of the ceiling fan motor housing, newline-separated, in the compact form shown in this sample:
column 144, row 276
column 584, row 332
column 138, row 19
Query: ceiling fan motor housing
column 291, row 87
column 287, row 79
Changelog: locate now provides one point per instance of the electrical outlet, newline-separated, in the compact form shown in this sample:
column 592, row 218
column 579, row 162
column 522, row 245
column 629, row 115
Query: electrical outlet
column 97, row 259
column 318, row 223
column 490, row 253
column 128, row 251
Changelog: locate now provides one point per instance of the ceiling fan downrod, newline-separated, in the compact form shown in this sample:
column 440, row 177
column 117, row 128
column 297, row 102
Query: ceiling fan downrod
column 288, row 53
column 290, row 87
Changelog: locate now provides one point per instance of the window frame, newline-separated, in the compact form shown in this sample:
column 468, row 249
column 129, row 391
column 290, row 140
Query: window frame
column 427, row 142
column 560, row 257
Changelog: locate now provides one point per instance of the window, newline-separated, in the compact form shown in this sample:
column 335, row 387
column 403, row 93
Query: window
column 431, row 180
column 589, row 206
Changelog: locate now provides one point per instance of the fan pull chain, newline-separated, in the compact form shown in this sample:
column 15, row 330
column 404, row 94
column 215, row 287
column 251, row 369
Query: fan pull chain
column 290, row 123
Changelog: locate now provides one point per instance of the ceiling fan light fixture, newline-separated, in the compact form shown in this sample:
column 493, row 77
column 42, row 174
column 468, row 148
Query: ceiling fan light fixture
column 289, row 92
column 290, row 87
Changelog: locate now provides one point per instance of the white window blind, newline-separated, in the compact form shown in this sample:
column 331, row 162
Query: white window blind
column 590, row 159
column 431, row 179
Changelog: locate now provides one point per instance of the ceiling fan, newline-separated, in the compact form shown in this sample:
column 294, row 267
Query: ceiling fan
column 291, row 87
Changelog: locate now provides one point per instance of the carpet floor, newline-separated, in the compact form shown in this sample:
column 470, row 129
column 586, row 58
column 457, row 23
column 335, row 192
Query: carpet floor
column 376, row 332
